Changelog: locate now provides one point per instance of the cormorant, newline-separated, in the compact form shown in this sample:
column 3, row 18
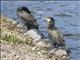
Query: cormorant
column 54, row 34
column 25, row 15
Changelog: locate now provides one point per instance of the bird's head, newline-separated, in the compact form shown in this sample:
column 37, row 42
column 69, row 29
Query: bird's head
column 50, row 20
column 23, row 9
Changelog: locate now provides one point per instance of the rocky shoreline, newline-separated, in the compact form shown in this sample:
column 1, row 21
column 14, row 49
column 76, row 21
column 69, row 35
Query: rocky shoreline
column 15, row 45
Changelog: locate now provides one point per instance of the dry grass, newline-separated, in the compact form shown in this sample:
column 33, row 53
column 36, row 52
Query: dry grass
column 11, row 33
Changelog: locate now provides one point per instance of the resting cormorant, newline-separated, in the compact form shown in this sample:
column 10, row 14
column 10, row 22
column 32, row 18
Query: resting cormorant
column 25, row 15
column 54, row 34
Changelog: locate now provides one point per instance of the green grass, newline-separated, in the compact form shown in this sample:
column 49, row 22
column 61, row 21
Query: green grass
column 10, row 36
column 6, row 34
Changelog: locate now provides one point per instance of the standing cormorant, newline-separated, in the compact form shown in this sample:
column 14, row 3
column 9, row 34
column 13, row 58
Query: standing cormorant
column 54, row 34
column 25, row 15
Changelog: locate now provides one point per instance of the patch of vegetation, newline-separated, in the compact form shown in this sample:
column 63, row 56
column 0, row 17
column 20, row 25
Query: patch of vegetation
column 10, row 37
column 10, row 32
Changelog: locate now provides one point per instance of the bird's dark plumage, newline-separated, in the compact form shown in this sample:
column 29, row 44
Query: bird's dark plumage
column 26, row 16
column 54, row 34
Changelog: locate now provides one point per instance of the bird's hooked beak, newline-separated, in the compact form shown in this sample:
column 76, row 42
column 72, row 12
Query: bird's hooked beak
column 47, row 19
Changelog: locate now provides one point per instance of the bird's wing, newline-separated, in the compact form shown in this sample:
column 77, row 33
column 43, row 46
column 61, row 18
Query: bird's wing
column 56, row 36
column 60, row 34
column 61, row 37
column 27, row 17
column 52, row 35
column 34, row 21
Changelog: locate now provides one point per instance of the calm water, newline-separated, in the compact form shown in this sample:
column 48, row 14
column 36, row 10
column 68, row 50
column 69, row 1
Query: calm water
column 66, row 15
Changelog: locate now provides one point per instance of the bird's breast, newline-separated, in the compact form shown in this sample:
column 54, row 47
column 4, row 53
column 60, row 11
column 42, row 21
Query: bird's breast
column 54, row 33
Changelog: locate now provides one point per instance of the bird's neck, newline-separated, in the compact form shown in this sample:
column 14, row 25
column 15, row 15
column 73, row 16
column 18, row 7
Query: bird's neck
column 51, row 26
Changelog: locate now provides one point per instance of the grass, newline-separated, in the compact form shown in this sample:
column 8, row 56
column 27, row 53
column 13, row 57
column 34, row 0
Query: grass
column 10, row 37
column 10, row 32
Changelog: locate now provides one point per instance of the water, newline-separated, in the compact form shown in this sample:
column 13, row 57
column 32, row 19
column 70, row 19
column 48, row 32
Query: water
column 65, row 13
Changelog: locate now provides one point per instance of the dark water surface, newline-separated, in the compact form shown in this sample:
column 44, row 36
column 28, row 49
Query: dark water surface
column 65, row 13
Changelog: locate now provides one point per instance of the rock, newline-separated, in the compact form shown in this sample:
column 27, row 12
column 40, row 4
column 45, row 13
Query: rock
column 45, row 44
column 23, row 51
column 38, row 41
column 59, row 54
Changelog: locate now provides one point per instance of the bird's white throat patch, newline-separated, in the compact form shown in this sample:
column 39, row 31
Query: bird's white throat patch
column 47, row 19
